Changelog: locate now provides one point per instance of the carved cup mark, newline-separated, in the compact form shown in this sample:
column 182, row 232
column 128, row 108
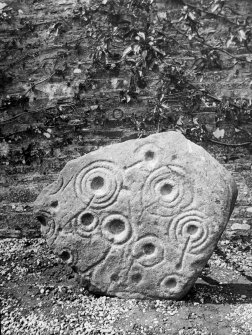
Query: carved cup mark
column 149, row 155
column 42, row 219
column 68, row 256
column 65, row 255
column 116, row 228
column 114, row 277
column 136, row 277
column 172, row 284
column 54, row 204
column 192, row 229
column 148, row 250
column 87, row 219
column 146, row 155
column 166, row 189
column 97, row 183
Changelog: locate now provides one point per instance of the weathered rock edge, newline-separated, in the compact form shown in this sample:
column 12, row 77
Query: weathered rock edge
column 139, row 219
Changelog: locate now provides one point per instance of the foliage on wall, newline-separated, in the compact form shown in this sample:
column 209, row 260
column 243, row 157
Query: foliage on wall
column 93, row 65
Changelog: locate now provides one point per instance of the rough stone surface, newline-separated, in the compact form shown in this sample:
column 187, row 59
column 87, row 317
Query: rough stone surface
column 138, row 219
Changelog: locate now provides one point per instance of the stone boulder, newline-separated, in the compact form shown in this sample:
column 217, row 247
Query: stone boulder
column 138, row 219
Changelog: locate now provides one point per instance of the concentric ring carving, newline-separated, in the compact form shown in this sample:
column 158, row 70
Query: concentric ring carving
column 190, row 228
column 166, row 191
column 98, row 184
column 85, row 223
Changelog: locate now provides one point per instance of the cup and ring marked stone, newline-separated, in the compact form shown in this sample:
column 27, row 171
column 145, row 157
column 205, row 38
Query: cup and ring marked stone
column 138, row 219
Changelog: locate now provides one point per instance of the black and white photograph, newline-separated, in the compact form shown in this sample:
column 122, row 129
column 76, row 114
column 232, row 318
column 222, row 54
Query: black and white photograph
column 125, row 167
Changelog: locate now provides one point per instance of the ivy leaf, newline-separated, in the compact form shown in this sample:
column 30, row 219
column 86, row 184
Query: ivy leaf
column 126, row 51
column 192, row 16
column 4, row 149
column 219, row 133
column 2, row 5
column 165, row 106
column 195, row 121
column 162, row 15
column 214, row 9
column 242, row 35
column 249, row 58
column 209, row 31
column 141, row 34
column 136, row 48
column 144, row 54
column 77, row 71
column 180, row 121
column 159, row 51
column 114, row 83
column 230, row 40
column 191, row 36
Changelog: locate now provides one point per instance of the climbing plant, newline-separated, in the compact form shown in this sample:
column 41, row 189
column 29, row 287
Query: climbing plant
column 151, row 54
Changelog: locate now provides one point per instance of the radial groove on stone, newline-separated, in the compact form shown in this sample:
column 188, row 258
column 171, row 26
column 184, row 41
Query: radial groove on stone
column 138, row 219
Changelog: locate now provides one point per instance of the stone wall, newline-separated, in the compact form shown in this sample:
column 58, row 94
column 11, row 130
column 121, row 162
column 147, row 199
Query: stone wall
column 47, row 118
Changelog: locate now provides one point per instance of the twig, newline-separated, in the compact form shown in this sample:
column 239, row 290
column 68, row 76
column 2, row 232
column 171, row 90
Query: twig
column 39, row 82
column 21, row 114
column 202, row 41
column 219, row 100
column 231, row 144
column 212, row 15
column 16, row 117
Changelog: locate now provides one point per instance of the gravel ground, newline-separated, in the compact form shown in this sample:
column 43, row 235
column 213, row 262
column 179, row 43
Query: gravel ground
column 39, row 295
